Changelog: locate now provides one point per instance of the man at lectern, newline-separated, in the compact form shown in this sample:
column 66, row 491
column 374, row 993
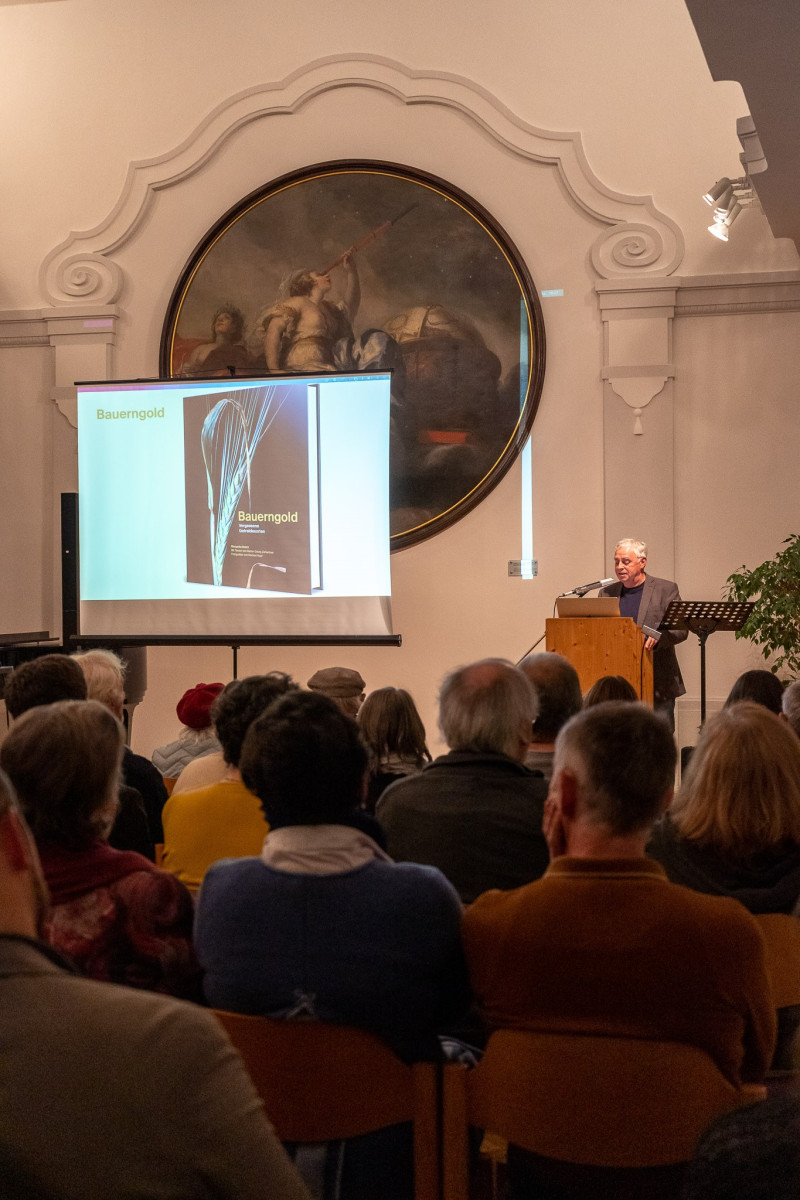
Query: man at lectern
column 645, row 598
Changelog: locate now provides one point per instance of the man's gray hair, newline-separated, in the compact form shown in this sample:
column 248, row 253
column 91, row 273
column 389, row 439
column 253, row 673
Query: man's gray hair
column 638, row 548
column 487, row 707
column 790, row 705
column 623, row 756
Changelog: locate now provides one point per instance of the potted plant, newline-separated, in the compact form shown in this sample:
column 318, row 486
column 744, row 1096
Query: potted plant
column 774, row 623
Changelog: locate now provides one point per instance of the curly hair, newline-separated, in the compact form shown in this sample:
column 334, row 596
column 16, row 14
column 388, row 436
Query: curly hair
column 305, row 761
column 238, row 705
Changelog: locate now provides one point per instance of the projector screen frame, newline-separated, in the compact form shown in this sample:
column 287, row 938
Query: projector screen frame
column 73, row 635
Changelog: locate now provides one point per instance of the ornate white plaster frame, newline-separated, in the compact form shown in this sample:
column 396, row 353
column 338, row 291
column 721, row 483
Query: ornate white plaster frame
column 636, row 242
column 638, row 239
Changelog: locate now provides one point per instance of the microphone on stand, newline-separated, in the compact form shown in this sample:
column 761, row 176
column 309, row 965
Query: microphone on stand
column 588, row 587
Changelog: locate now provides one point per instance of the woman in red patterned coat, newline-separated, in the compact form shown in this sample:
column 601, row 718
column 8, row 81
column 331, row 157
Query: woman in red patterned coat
column 112, row 912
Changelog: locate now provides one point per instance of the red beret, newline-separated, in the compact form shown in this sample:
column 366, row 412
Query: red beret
column 194, row 706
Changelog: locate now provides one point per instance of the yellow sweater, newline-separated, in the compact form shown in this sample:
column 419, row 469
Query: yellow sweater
column 223, row 820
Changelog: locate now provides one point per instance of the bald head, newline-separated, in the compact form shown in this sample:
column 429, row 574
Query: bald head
column 558, row 690
column 487, row 707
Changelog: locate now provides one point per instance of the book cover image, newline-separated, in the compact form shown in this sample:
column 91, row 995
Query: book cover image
column 252, row 508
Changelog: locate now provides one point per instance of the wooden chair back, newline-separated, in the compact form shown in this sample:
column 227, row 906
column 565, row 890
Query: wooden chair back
column 595, row 1101
column 322, row 1082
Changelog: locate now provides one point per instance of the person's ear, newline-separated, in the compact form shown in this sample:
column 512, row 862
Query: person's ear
column 666, row 800
column 568, row 794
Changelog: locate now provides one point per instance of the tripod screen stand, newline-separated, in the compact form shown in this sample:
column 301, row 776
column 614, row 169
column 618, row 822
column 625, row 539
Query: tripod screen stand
column 704, row 617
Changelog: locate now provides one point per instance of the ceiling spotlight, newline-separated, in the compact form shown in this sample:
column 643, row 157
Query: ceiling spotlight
column 732, row 213
column 724, row 201
column 716, row 191
column 723, row 221
column 728, row 197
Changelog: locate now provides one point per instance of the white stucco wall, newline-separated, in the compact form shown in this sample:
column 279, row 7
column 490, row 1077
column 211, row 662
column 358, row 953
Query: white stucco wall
column 90, row 87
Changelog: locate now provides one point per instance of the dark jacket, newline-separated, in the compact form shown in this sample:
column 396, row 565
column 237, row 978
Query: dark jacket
column 765, row 883
column 657, row 595
column 477, row 817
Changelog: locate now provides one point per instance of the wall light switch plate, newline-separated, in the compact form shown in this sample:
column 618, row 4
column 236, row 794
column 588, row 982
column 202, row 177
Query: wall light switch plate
column 523, row 568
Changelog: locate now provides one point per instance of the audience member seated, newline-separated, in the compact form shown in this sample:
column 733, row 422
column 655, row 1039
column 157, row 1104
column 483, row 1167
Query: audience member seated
column 762, row 687
column 342, row 685
column 105, row 682
column 604, row 943
column 115, row 915
column 323, row 924
column 109, row 1092
column 558, row 691
column 395, row 736
column 197, row 738
column 752, row 1153
column 54, row 677
column 734, row 827
column 223, row 820
column 475, row 813
column 610, row 687
column 790, row 706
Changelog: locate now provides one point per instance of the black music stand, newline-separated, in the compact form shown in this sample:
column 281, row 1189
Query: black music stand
column 705, row 617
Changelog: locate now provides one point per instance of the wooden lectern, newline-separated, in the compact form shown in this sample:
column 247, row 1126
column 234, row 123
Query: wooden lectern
column 599, row 646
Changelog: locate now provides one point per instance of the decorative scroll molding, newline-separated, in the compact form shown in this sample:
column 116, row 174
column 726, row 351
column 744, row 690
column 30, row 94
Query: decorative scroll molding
column 628, row 248
column 641, row 241
column 77, row 277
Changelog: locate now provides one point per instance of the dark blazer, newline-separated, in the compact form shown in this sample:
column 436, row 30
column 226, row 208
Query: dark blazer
column 657, row 594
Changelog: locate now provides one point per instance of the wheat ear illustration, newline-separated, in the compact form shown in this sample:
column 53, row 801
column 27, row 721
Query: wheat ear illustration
column 230, row 435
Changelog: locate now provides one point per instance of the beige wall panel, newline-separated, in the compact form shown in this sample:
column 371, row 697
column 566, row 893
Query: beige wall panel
column 27, row 540
column 737, row 453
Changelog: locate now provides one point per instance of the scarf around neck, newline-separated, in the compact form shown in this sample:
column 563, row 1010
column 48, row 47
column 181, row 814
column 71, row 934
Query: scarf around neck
column 72, row 873
column 319, row 849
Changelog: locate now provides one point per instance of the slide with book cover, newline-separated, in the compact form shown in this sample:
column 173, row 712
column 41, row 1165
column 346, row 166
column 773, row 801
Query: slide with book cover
column 236, row 507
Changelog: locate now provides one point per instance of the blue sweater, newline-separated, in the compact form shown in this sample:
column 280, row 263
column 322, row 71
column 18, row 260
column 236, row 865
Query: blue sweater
column 378, row 947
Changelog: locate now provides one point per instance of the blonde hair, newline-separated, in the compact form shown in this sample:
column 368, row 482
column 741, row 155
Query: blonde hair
column 741, row 793
column 105, row 677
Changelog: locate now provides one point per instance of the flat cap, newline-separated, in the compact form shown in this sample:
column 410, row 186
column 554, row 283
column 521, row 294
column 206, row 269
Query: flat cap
column 337, row 681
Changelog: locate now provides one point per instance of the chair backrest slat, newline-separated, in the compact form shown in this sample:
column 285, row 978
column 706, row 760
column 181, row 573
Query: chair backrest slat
column 322, row 1082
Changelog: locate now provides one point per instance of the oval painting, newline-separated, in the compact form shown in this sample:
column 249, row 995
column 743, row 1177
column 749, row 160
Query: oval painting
column 373, row 266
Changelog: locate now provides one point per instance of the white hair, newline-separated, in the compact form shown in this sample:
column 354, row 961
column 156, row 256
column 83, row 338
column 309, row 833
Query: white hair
column 105, row 677
column 638, row 548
